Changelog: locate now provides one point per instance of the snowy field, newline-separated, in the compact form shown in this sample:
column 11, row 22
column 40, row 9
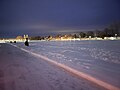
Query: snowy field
column 100, row 59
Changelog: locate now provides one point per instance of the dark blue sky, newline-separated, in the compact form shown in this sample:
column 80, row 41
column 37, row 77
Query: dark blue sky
column 38, row 17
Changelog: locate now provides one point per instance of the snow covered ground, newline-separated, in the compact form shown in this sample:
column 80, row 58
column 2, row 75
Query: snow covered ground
column 100, row 59
column 21, row 71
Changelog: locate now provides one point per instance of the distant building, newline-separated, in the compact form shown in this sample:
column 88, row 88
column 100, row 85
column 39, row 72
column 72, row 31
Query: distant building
column 19, row 37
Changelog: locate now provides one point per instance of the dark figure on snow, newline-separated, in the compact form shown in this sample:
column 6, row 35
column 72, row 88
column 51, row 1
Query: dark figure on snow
column 26, row 42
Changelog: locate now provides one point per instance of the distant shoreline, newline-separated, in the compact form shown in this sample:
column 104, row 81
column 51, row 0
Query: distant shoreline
column 76, row 39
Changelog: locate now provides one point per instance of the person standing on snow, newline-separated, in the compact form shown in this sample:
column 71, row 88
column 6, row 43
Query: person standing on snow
column 26, row 42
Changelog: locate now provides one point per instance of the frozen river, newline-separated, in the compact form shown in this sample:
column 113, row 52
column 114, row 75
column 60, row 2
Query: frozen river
column 100, row 59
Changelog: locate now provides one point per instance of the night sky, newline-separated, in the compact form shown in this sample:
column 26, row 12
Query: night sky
column 42, row 17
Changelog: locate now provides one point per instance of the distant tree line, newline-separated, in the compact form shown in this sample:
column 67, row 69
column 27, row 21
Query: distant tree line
column 37, row 38
column 111, row 31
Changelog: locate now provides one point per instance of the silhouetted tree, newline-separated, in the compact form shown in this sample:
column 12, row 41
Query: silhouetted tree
column 82, row 34
column 90, row 33
column 102, row 34
column 75, row 36
column 106, row 32
column 114, row 29
column 97, row 33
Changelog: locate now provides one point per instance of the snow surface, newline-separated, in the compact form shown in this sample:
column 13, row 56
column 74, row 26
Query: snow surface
column 21, row 71
column 100, row 59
